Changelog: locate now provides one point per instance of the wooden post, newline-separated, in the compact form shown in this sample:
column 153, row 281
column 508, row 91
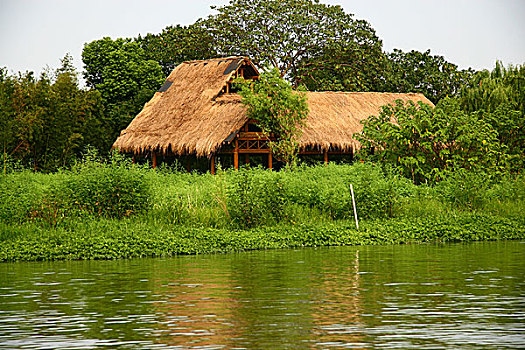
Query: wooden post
column 247, row 159
column 188, row 164
column 236, row 155
column 325, row 157
column 212, row 170
column 133, row 160
column 270, row 161
column 154, row 159
column 353, row 203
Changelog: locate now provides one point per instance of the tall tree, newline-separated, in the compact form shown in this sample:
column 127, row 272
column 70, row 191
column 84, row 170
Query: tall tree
column 423, row 72
column 19, row 115
column 45, row 122
column 125, row 77
column 176, row 44
column 295, row 36
column 499, row 96
column 344, row 66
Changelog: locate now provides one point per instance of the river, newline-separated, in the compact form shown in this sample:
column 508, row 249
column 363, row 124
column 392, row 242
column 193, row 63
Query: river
column 468, row 296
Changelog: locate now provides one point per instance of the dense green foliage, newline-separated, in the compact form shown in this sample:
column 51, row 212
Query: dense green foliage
column 178, row 213
column 279, row 111
column 46, row 122
column 112, row 239
column 115, row 190
column 90, row 189
column 431, row 75
column 125, row 77
column 254, row 198
column 301, row 38
column 499, row 96
column 428, row 143
column 482, row 131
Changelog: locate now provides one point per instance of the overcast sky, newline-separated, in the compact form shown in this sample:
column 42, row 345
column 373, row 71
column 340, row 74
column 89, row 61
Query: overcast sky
column 470, row 33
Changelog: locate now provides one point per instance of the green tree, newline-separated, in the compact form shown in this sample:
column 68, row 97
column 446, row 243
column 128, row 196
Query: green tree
column 500, row 97
column 176, row 44
column 298, row 37
column 278, row 110
column 428, row 143
column 45, row 122
column 20, row 115
column 70, row 118
column 125, row 77
column 354, row 63
column 431, row 75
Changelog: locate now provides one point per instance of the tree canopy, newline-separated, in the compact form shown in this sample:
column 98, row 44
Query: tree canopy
column 125, row 77
column 45, row 122
column 176, row 44
column 423, row 72
column 482, row 130
column 295, row 36
column 500, row 96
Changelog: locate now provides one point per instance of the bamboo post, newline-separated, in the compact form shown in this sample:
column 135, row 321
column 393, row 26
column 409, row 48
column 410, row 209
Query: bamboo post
column 212, row 170
column 154, row 159
column 325, row 157
column 236, row 155
column 353, row 204
column 270, row 161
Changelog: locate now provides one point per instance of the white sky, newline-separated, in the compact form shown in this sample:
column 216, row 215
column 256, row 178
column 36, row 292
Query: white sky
column 471, row 33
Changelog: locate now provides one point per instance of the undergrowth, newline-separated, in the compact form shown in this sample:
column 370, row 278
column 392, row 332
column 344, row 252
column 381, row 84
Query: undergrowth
column 116, row 209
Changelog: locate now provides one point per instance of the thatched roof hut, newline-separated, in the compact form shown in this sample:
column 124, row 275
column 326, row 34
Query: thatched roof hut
column 195, row 113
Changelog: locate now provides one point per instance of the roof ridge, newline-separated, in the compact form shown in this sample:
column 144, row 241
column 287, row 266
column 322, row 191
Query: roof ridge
column 217, row 59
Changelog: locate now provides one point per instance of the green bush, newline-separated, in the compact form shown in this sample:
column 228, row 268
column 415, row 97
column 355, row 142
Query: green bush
column 465, row 189
column 180, row 198
column 327, row 188
column 111, row 190
column 21, row 194
column 255, row 197
column 108, row 190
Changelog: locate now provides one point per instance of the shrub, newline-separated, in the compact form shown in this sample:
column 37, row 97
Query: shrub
column 328, row 189
column 20, row 193
column 465, row 189
column 109, row 190
column 255, row 197
column 181, row 198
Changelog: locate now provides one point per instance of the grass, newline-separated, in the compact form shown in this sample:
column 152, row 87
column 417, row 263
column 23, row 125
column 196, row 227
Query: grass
column 117, row 210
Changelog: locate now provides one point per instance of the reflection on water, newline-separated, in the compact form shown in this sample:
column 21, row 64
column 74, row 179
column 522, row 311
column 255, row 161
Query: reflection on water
column 421, row 297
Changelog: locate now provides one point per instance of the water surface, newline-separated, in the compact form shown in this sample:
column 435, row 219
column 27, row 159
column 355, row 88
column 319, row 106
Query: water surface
column 469, row 296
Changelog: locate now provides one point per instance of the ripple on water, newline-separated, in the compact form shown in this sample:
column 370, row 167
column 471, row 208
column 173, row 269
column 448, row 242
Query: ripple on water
column 409, row 297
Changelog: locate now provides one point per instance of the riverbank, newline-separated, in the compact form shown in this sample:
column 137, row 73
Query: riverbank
column 115, row 239
column 119, row 210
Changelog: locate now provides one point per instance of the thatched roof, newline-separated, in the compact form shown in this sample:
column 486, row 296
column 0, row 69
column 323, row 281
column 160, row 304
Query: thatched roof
column 335, row 116
column 189, row 114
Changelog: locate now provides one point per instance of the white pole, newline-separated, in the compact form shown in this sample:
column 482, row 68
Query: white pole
column 353, row 203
